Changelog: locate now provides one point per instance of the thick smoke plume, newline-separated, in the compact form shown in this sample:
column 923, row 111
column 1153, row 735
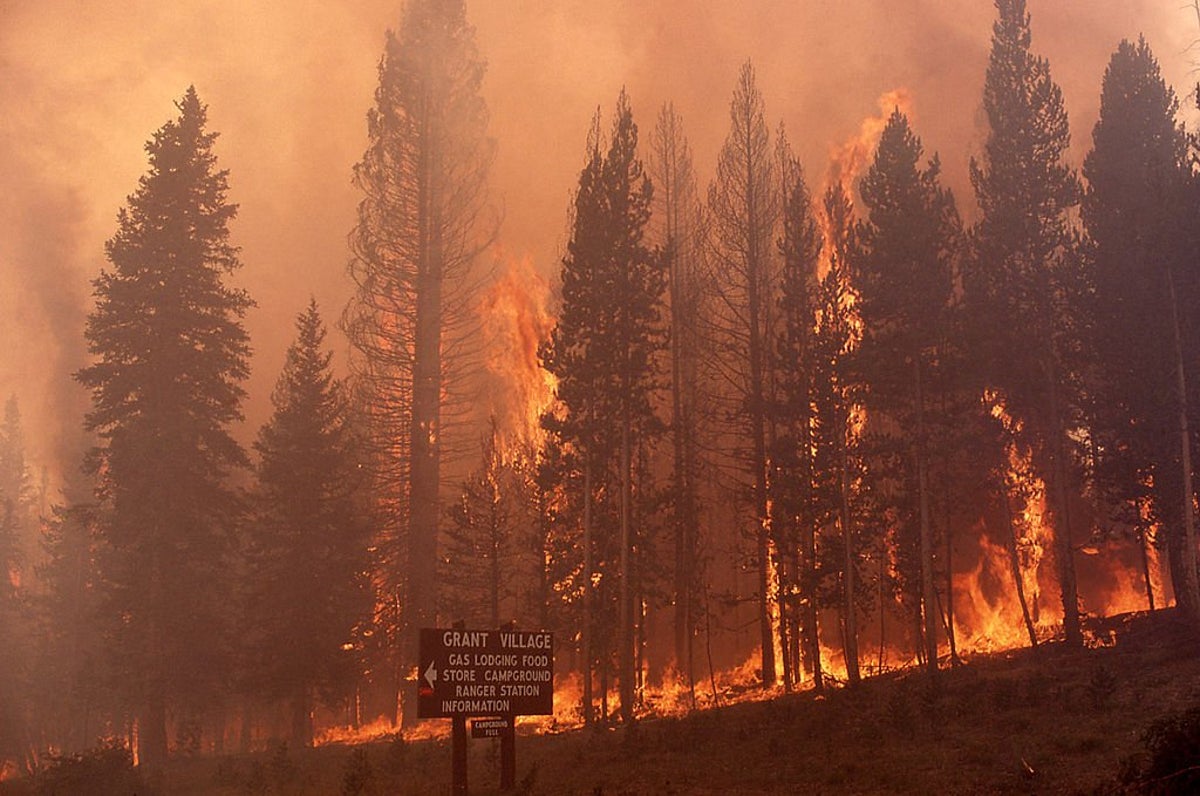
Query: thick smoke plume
column 83, row 85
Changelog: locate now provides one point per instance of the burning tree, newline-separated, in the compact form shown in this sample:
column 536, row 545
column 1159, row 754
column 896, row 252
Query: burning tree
column 902, row 270
column 605, row 352
column 743, row 204
column 487, row 568
column 1142, row 263
column 799, row 490
column 171, row 353
column 306, row 549
column 421, row 223
column 1024, row 284
column 844, row 496
column 679, row 222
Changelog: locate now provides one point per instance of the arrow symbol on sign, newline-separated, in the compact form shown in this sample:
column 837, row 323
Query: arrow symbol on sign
column 431, row 674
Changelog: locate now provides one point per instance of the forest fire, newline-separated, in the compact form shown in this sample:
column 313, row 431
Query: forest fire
column 722, row 436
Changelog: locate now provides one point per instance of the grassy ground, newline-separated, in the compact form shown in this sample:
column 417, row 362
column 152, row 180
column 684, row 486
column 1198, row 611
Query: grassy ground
column 1051, row 721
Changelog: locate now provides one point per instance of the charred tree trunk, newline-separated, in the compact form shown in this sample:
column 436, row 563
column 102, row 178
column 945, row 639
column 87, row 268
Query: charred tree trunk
column 1144, row 560
column 928, row 589
column 850, row 620
column 1065, row 545
column 625, row 634
column 1188, row 592
column 1014, row 560
column 762, row 516
column 425, row 433
column 587, row 630
column 152, row 729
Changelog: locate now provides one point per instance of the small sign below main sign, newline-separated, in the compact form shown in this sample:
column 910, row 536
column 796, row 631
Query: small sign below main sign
column 485, row 673
column 489, row 728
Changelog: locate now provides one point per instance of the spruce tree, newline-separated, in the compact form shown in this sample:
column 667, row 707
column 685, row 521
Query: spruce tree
column 479, row 564
column 307, row 551
column 606, row 353
column 902, row 274
column 1142, row 264
column 796, row 489
column 1024, row 285
column 838, row 468
column 170, row 355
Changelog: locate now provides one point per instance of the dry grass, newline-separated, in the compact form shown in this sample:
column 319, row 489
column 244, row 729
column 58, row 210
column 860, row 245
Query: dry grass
column 1055, row 721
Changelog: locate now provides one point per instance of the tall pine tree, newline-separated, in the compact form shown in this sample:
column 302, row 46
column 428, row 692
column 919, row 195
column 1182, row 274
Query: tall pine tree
column 796, row 487
column 422, row 221
column 679, row 224
column 743, row 203
column 605, row 352
column 1142, row 264
column 307, row 547
column 902, row 273
column 170, row 355
column 1024, row 285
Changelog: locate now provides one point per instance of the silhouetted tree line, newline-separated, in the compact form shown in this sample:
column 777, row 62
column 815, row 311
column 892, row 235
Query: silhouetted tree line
column 801, row 400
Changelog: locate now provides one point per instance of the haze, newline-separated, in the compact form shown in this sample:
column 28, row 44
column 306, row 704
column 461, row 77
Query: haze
column 83, row 85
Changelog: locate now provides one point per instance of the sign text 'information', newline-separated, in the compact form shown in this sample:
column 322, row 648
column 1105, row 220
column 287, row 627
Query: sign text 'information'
column 485, row 673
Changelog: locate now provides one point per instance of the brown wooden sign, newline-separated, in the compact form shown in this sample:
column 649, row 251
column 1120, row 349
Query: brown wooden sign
column 485, row 673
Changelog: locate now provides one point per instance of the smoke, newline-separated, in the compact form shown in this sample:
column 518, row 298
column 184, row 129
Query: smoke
column 288, row 84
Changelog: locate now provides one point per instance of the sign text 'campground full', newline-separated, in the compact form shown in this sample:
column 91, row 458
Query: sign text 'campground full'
column 485, row 673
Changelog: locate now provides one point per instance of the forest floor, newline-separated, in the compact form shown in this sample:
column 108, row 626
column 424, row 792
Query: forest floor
column 1051, row 721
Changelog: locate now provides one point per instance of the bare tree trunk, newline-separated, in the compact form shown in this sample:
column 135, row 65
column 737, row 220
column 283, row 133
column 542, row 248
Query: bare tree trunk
column 850, row 621
column 1057, row 483
column 586, row 631
column 950, row 638
column 1144, row 559
column 928, row 590
column 625, row 601
column 1014, row 561
column 1191, row 584
column 425, row 434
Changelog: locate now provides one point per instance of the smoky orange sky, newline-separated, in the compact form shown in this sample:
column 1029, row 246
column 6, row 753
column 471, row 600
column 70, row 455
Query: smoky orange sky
column 288, row 82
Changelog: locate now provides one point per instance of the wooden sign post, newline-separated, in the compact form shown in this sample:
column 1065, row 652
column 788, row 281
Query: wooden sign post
column 499, row 674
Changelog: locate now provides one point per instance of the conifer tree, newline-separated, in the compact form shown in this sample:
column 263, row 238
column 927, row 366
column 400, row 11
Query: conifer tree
column 1142, row 264
column 170, row 355
column 1024, row 285
column 801, row 514
column 902, row 274
column 483, row 572
column 679, row 228
column 743, row 206
column 837, row 460
column 422, row 221
column 307, row 559
column 605, row 352
column 74, row 683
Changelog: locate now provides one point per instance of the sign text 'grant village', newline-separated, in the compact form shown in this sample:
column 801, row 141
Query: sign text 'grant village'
column 485, row 673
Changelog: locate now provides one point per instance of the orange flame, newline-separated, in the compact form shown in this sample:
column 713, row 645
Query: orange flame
column 516, row 320
column 378, row 729
column 851, row 158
